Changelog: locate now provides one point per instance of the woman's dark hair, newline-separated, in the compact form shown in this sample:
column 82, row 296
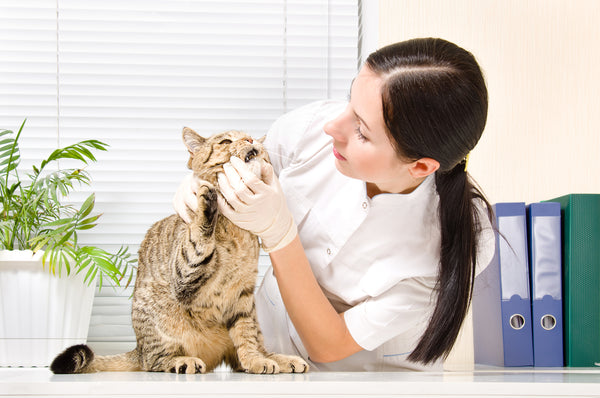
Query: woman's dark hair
column 435, row 105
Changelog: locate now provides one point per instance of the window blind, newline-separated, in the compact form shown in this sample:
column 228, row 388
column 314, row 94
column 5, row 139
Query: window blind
column 133, row 73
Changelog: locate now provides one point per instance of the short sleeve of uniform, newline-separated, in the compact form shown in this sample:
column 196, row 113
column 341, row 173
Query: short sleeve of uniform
column 405, row 309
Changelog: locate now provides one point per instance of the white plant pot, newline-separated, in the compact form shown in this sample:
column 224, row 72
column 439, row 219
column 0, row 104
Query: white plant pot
column 40, row 313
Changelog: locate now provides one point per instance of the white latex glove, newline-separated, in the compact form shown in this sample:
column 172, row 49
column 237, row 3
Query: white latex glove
column 256, row 205
column 185, row 199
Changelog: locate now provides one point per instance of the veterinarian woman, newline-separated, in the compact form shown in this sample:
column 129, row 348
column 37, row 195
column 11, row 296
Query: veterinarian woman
column 373, row 226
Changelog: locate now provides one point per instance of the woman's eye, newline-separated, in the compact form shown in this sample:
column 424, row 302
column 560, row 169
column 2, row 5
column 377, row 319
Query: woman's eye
column 225, row 141
column 359, row 134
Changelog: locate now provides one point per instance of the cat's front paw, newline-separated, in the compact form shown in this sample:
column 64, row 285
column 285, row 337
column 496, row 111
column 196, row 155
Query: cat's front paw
column 206, row 215
column 261, row 365
column 189, row 365
column 290, row 363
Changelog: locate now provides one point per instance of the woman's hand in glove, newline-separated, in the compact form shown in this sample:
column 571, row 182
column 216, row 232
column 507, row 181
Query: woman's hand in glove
column 185, row 201
column 256, row 205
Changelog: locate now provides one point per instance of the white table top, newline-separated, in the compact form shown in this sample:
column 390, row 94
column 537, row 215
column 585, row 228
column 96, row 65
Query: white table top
column 529, row 382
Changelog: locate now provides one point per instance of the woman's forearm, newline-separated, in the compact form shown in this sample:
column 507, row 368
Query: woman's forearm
column 322, row 330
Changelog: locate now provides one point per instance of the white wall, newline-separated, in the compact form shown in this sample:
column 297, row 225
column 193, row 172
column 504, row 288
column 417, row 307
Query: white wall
column 541, row 59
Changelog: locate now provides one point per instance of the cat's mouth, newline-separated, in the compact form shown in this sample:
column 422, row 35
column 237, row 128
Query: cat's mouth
column 252, row 153
column 252, row 161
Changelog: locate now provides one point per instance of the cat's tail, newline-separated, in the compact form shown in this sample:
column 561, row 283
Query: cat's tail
column 81, row 359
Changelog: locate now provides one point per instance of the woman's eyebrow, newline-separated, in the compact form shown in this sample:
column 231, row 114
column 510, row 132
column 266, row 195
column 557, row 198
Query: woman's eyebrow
column 361, row 120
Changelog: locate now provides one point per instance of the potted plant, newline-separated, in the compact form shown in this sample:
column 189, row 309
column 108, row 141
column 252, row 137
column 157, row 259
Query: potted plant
column 47, row 278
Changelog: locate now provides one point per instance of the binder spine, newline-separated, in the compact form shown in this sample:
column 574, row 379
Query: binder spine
column 546, row 283
column 514, row 281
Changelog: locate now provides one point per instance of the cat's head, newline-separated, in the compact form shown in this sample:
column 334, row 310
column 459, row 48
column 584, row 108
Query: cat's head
column 208, row 155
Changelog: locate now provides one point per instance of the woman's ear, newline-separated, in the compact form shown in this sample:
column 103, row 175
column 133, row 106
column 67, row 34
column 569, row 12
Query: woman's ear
column 423, row 167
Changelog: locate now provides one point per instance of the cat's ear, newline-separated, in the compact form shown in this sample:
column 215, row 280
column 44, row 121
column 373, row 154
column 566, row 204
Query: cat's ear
column 192, row 140
column 262, row 139
column 194, row 143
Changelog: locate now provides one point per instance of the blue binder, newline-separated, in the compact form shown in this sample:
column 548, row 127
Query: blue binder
column 545, row 257
column 501, row 299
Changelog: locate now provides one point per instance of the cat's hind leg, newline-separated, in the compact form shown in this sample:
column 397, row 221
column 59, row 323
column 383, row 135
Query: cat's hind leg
column 244, row 333
column 171, row 359
column 178, row 364
column 249, row 354
column 160, row 350
column 287, row 363
column 189, row 365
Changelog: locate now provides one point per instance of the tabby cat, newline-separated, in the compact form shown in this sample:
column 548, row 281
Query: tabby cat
column 193, row 302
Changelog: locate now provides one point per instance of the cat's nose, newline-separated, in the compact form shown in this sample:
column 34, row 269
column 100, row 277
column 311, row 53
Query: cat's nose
column 250, row 140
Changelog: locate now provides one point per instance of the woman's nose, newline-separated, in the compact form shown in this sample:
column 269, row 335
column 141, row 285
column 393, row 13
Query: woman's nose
column 336, row 127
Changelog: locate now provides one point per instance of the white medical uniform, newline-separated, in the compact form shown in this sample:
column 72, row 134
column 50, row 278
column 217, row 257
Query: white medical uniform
column 376, row 259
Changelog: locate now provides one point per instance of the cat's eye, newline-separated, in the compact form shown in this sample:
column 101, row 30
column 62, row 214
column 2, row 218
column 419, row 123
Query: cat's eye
column 225, row 141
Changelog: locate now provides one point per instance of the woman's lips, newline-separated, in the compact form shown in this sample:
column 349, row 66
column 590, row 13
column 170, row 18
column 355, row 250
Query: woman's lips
column 337, row 155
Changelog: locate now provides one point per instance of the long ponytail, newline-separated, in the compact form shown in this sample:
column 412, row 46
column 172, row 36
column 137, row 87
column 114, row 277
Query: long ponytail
column 434, row 102
column 458, row 259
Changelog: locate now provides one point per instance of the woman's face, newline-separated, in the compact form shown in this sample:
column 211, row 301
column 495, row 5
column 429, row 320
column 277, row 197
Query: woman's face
column 361, row 145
